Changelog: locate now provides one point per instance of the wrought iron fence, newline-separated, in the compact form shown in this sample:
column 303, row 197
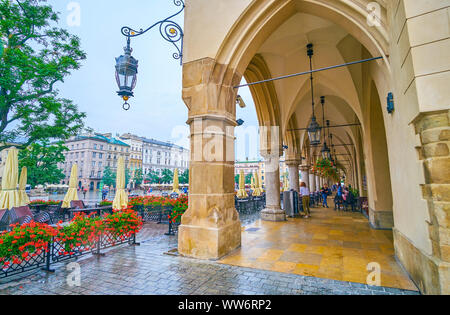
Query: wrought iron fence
column 158, row 214
column 57, row 252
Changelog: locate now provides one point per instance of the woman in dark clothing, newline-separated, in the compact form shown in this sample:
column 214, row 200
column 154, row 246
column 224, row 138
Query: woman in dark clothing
column 325, row 191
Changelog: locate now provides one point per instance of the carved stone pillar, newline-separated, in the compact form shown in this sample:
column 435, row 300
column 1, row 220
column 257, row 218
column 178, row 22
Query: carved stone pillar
column 210, row 228
column 312, row 182
column 305, row 174
column 273, row 211
column 294, row 180
column 317, row 183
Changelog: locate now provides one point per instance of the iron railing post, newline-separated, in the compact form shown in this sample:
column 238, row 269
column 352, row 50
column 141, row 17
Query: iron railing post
column 48, row 254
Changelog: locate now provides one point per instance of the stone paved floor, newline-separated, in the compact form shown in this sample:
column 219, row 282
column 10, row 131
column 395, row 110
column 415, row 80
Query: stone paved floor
column 146, row 270
column 331, row 245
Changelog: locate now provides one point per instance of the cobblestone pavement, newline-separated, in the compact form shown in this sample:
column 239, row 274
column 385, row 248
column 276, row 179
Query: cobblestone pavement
column 146, row 269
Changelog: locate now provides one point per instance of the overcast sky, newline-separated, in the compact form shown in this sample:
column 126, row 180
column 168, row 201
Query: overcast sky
column 157, row 110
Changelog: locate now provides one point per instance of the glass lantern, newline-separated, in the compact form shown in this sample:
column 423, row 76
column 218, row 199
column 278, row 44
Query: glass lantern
column 126, row 74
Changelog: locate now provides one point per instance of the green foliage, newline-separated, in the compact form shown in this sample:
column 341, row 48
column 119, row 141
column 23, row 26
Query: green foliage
column 248, row 178
column 236, row 179
column 109, row 177
column 153, row 177
column 41, row 160
column 127, row 176
column 166, row 176
column 184, row 177
column 138, row 176
column 36, row 56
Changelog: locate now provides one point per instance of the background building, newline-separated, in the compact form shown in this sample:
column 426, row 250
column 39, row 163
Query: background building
column 92, row 153
column 158, row 155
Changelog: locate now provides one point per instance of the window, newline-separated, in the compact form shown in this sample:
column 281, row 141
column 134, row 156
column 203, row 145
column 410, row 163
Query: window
column 94, row 154
column 100, row 155
column 95, row 146
column 93, row 163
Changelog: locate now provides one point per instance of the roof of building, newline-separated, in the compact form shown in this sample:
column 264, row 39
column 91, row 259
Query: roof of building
column 99, row 137
column 247, row 162
column 162, row 143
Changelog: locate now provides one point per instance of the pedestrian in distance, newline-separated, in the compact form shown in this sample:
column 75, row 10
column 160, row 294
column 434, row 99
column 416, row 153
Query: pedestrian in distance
column 304, row 192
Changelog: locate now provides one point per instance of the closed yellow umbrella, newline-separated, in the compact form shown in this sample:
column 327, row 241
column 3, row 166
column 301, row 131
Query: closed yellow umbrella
column 9, row 195
column 241, row 192
column 72, row 191
column 176, row 182
column 23, row 197
column 258, row 191
column 121, row 198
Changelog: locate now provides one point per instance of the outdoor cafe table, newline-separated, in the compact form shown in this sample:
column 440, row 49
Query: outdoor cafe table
column 89, row 211
column 38, row 207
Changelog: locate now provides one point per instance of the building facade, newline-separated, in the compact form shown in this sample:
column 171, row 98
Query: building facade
column 159, row 155
column 93, row 153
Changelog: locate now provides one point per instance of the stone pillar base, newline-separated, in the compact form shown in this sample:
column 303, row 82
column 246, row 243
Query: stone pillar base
column 207, row 242
column 382, row 220
column 275, row 215
column 431, row 275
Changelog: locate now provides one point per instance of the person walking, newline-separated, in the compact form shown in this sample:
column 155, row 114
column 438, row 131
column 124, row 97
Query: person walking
column 325, row 193
column 304, row 192
column 338, row 198
column 104, row 193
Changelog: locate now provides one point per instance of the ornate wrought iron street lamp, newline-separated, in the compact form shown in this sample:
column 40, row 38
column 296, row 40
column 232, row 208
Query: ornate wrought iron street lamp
column 126, row 75
column 326, row 153
column 126, row 65
column 314, row 129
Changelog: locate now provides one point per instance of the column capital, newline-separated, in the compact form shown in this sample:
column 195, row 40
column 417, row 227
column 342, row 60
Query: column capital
column 305, row 168
column 271, row 155
column 292, row 162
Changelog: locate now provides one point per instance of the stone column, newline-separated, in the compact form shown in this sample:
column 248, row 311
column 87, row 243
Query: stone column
column 434, row 131
column 293, row 174
column 317, row 182
column 305, row 174
column 210, row 228
column 273, row 211
column 312, row 182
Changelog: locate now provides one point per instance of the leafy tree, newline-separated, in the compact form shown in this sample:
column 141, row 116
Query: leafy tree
column 138, row 176
column 236, row 179
column 127, row 176
column 41, row 160
column 36, row 56
column 167, row 176
column 153, row 177
column 248, row 179
column 184, row 177
column 109, row 177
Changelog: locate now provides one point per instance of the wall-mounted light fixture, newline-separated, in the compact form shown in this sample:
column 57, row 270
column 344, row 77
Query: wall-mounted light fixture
column 390, row 103
column 239, row 122
column 240, row 102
